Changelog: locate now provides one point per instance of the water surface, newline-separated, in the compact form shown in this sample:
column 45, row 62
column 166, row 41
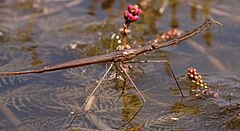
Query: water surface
column 34, row 34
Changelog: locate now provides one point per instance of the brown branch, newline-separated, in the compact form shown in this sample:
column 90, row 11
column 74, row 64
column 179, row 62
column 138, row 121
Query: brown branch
column 118, row 56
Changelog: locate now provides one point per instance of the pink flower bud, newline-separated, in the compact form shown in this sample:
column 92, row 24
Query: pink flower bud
column 138, row 12
column 132, row 14
column 130, row 17
column 126, row 14
column 130, row 8
column 135, row 18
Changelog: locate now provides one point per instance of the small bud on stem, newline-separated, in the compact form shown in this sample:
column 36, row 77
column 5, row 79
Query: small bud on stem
column 131, row 15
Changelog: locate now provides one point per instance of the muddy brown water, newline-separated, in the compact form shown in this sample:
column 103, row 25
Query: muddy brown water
column 34, row 34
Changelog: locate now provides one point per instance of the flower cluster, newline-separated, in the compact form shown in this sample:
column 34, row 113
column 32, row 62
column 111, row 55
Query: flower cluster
column 172, row 33
column 201, row 88
column 132, row 13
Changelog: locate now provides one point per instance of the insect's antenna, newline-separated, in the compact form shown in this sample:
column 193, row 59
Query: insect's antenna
column 217, row 23
column 90, row 98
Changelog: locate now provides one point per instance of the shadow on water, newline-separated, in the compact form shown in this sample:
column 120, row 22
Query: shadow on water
column 34, row 34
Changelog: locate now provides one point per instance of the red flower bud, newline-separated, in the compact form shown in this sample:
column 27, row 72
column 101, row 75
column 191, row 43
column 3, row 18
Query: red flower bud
column 132, row 14
column 126, row 14
column 135, row 18
column 137, row 12
column 130, row 8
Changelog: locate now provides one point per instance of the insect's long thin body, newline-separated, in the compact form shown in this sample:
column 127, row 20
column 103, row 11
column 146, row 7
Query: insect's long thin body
column 123, row 55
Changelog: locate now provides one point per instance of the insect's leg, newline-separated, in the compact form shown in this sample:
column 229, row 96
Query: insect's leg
column 86, row 105
column 125, row 74
column 129, row 78
column 161, row 61
column 120, row 76
column 95, row 89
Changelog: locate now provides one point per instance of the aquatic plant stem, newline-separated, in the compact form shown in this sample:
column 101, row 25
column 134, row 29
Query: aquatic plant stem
column 124, row 40
column 124, row 32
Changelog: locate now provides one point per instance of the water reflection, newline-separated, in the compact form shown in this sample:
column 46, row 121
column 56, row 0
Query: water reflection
column 131, row 105
column 194, row 10
column 150, row 16
column 111, row 8
column 208, row 35
column 35, row 61
column 92, row 7
column 206, row 12
column 174, row 4
column 25, row 36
